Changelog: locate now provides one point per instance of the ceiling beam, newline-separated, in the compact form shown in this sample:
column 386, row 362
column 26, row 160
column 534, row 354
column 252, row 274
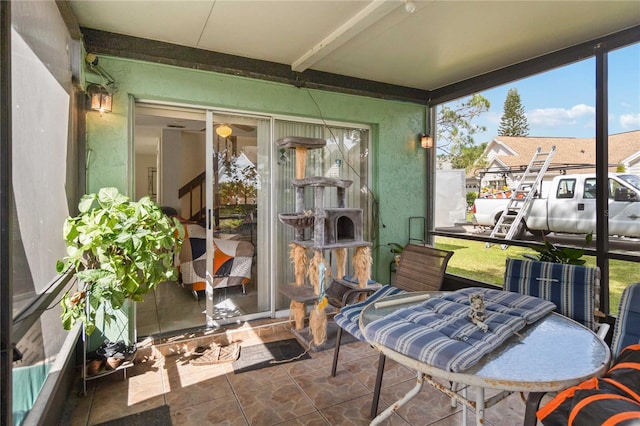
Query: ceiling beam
column 362, row 20
column 123, row 46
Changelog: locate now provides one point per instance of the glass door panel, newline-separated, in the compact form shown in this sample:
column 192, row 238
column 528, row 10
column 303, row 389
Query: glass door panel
column 237, row 195
column 345, row 156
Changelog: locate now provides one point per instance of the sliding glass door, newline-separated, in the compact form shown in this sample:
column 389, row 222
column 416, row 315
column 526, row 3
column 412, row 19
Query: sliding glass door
column 238, row 208
column 345, row 156
column 224, row 176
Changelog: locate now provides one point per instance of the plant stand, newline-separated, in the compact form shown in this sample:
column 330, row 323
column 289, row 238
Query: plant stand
column 124, row 366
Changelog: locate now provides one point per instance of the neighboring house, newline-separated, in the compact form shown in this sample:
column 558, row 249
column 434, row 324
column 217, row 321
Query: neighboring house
column 508, row 156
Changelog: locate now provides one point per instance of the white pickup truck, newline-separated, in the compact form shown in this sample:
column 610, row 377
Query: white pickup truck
column 569, row 206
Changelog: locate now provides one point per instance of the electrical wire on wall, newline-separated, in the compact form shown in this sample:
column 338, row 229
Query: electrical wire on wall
column 375, row 206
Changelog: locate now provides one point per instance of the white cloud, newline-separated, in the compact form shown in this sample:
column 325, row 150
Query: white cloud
column 493, row 117
column 555, row 117
column 630, row 121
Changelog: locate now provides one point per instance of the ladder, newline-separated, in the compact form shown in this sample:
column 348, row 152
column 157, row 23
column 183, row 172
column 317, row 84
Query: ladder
column 508, row 223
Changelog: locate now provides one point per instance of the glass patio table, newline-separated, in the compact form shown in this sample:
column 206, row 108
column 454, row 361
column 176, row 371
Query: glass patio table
column 549, row 355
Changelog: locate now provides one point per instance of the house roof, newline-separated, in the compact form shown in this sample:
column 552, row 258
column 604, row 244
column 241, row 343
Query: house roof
column 569, row 151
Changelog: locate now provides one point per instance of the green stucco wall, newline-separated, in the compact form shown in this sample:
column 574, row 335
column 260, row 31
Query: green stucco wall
column 398, row 164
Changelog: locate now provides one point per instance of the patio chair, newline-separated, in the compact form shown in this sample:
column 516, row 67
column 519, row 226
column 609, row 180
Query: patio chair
column 627, row 329
column 421, row 268
column 598, row 400
column 575, row 289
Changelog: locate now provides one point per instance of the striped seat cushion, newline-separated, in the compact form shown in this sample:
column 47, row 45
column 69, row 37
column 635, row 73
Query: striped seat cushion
column 439, row 331
column 573, row 288
column 627, row 329
column 350, row 315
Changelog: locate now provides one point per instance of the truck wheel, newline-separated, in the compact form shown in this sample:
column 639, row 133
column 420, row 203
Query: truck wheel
column 521, row 230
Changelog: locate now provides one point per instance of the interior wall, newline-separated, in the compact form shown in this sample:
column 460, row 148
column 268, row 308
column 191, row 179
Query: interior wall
column 398, row 166
column 193, row 156
column 143, row 163
column 171, row 169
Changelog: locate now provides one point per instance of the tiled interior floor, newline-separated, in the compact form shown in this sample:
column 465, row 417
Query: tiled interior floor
column 296, row 393
column 169, row 308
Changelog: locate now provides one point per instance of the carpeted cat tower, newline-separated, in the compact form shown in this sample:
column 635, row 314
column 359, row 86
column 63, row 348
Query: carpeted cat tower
column 323, row 237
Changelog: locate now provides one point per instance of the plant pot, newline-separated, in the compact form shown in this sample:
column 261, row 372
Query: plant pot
column 113, row 362
column 94, row 366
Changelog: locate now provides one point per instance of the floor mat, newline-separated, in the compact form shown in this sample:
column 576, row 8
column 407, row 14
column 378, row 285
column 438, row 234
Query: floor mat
column 159, row 416
column 217, row 354
column 269, row 354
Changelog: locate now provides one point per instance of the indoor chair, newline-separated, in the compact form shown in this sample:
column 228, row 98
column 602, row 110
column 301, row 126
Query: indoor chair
column 421, row 268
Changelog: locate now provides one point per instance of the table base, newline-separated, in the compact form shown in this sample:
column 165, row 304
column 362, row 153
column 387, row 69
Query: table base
column 478, row 405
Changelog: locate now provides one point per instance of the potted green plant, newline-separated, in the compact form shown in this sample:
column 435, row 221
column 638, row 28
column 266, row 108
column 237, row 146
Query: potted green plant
column 396, row 249
column 118, row 250
column 553, row 254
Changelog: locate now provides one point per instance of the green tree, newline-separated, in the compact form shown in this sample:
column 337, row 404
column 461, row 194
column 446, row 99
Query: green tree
column 513, row 121
column 468, row 157
column 456, row 132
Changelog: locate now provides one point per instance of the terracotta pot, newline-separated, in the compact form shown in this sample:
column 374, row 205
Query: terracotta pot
column 94, row 366
column 113, row 363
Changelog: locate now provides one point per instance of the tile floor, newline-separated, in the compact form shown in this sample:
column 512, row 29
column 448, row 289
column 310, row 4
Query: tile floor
column 170, row 308
column 296, row 393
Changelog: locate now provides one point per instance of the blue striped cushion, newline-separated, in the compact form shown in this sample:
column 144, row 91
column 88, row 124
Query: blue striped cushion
column 573, row 288
column 530, row 309
column 350, row 315
column 439, row 331
column 627, row 329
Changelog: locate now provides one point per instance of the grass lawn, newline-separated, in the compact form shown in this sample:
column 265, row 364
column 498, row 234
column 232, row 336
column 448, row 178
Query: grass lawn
column 473, row 260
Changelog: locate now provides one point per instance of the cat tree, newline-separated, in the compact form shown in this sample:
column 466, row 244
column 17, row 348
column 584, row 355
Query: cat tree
column 320, row 230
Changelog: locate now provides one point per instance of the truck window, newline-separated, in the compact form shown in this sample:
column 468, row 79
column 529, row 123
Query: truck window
column 566, row 188
column 632, row 180
column 613, row 185
column 590, row 188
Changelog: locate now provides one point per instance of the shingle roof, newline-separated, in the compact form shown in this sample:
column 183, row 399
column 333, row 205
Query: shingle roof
column 568, row 150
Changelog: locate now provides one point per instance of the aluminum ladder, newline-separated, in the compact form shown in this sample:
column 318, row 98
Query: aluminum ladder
column 508, row 223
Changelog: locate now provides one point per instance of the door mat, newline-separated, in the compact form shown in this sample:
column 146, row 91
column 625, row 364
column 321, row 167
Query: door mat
column 159, row 416
column 217, row 354
column 269, row 354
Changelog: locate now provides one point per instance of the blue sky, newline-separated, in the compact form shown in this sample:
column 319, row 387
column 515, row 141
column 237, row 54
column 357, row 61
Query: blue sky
column 561, row 102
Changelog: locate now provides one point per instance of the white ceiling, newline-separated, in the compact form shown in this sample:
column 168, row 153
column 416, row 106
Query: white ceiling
column 440, row 43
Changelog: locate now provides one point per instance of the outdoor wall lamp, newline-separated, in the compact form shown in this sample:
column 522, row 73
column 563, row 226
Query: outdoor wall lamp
column 426, row 140
column 101, row 99
column 101, row 94
column 224, row 131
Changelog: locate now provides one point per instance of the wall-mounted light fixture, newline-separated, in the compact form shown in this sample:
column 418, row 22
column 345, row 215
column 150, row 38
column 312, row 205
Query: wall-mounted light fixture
column 101, row 99
column 426, row 141
column 100, row 94
column 224, row 131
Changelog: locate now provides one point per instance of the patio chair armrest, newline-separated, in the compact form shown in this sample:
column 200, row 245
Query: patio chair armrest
column 603, row 329
column 347, row 295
